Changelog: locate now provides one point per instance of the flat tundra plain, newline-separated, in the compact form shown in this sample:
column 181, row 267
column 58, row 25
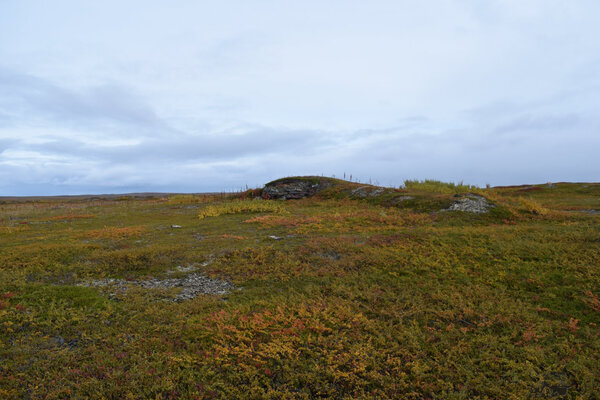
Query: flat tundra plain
column 432, row 291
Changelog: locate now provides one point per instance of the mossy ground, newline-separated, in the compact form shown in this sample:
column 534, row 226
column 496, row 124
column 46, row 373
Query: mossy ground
column 362, row 298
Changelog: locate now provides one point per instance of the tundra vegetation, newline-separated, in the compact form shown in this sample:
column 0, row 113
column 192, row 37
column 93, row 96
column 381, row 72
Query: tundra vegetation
column 356, row 292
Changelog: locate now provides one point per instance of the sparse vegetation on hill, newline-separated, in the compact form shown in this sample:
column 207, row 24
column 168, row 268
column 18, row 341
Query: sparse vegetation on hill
column 434, row 186
column 356, row 291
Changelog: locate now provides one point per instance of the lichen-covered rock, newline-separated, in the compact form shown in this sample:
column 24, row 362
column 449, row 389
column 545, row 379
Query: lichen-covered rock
column 362, row 191
column 377, row 192
column 471, row 203
column 368, row 191
column 400, row 199
column 294, row 188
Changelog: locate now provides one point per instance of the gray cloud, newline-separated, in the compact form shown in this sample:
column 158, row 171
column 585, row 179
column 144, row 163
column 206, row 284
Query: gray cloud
column 24, row 96
column 195, row 98
column 496, row 154
column 184, row 147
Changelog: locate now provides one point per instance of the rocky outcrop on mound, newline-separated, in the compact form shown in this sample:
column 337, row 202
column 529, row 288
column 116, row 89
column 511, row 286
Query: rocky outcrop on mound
column 294, row 188
column 471, row 203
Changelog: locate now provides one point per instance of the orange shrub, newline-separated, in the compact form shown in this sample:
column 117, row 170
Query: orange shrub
column 277, row 220
column 69, row 217
column 226, row 236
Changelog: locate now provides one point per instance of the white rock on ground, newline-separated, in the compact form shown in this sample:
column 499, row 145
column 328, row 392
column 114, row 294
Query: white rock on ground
column 471, row 203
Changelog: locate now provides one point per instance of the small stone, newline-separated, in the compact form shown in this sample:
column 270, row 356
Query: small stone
column 181, row 268
column 331, row 255
column 275, row 237
column 59, row 340
column 175, row 226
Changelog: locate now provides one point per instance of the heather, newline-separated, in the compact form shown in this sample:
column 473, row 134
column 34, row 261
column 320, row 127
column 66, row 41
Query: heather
column 355, row 292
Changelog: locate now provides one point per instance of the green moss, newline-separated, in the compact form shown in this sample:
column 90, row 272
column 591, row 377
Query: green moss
column 69, row 296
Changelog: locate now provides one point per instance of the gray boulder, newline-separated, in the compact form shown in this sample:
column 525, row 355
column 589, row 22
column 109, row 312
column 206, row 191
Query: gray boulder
column 294, row 188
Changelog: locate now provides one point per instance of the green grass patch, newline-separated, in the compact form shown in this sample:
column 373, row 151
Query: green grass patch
column 241, row 207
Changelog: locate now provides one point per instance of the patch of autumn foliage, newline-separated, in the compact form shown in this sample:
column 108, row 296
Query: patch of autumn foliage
column 356, row 299
column 114, row 232
column 69, row 217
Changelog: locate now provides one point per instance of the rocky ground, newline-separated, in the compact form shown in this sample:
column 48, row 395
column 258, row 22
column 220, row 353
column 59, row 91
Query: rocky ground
column 189, row 286
column 295, row 188
column 298, row 188
column 471, row 203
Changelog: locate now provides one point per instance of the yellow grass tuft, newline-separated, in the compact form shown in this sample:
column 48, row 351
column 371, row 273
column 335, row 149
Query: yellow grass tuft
column 532, row 206
column 241, row 207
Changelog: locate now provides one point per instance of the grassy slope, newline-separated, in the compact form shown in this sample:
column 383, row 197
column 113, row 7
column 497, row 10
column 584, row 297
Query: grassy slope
column 362, row 300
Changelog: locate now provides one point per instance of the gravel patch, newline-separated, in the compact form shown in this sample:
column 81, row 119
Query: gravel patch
column 190, row 286
column 591, row 211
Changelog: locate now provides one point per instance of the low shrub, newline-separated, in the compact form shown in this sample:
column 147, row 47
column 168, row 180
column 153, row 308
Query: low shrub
column 241, row 207
column 114, row 232
column 532, row 206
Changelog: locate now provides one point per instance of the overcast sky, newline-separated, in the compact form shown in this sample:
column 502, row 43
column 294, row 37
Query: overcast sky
column 189, row 96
